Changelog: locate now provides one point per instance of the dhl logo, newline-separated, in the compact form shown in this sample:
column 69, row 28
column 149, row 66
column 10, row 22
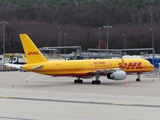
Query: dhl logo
column 131, row 65
column 33, row 53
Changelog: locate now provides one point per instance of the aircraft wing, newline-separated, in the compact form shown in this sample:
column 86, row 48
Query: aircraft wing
column 111, row 70
column 14, row 65
column 105, row 71
column 39, row 67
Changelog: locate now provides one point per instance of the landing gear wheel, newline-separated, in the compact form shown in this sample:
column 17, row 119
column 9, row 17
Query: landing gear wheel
column 96, row 82
column 75, row 81
column 78, row 81
column 93, row 82
column 138, row 80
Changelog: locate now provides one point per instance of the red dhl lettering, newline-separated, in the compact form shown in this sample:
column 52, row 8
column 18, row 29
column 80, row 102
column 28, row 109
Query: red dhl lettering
column 120, row 65
column 131, row 65
column 139, row 65
column 33, row 53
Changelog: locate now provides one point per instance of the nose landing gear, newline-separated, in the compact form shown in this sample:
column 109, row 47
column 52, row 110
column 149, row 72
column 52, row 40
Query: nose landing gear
column 138, row 79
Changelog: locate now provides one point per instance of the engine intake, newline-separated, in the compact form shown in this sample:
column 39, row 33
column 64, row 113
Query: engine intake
column 117, row 75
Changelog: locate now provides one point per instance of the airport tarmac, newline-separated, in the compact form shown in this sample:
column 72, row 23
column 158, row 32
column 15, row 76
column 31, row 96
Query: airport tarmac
column 30, row 96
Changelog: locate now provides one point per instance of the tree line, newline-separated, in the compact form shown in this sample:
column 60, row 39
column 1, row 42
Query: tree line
column 80, row 20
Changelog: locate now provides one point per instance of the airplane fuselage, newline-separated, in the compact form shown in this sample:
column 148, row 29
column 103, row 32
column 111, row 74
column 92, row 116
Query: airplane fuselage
column 85, row 67
column 114, row 69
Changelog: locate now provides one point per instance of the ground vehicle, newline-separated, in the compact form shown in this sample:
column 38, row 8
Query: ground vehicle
column 17, row 60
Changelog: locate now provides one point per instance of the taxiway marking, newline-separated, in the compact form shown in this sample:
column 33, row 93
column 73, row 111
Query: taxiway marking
column 80, row 102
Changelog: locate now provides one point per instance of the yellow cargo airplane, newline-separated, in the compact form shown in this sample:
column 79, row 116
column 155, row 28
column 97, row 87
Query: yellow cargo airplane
column 115, row 69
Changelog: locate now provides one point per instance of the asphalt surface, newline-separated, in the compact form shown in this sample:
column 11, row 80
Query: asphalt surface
column 30, row 96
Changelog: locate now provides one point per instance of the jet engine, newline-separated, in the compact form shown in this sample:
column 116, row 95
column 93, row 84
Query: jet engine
column 117, row 75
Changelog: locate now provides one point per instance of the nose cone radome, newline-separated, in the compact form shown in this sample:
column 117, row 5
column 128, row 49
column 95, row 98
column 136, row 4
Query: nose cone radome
column 151, row 67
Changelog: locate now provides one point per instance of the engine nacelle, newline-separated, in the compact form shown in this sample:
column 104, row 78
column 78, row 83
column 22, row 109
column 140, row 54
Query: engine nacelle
column 117, row 75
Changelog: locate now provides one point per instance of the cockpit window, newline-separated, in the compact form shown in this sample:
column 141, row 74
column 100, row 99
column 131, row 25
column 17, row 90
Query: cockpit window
column 149, row 63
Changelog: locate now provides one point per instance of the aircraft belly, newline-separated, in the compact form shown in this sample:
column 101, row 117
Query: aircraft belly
column 63, row 72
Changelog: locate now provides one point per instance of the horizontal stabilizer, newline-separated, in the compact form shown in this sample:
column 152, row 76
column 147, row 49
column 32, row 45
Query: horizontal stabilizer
column 14, row 65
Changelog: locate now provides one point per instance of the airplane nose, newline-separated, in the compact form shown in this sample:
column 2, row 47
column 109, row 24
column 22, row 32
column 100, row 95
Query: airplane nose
column 151, row 67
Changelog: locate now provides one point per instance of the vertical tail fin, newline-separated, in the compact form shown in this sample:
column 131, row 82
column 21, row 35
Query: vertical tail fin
column 31, row 51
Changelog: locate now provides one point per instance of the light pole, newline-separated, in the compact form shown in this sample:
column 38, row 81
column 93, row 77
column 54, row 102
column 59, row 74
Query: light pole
column 99, row 39
column 65, row 41
column 59, row 38
column 107, row 37
column 152, row 37
column 124, row 41
column 4, row 22
column 152, row 41
column 99, row 36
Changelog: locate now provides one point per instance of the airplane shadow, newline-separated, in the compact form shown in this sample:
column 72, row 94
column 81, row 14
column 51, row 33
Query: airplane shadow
column 52, row 83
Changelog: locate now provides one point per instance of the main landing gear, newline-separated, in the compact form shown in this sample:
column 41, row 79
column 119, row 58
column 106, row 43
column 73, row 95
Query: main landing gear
column 138, row 79
column 97, row 81
column 78, row 80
